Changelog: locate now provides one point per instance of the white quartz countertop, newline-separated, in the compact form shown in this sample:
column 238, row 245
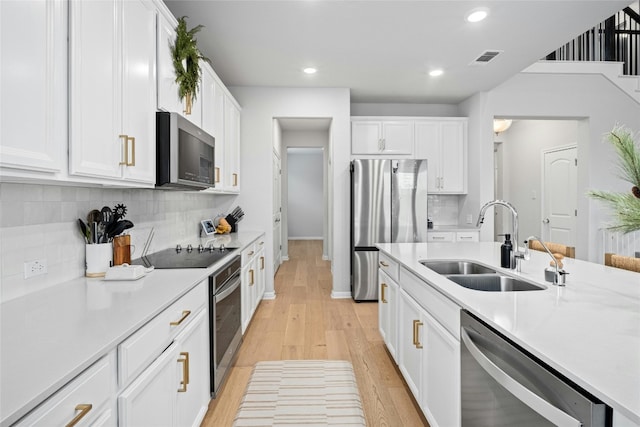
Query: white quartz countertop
column 49, row 337
column 588, row 330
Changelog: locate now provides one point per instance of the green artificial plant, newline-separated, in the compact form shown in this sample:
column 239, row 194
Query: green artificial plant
column 626, row 206
column 186, row 57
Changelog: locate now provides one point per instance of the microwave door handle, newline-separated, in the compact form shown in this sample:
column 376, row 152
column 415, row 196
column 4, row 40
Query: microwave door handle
column 532, row 400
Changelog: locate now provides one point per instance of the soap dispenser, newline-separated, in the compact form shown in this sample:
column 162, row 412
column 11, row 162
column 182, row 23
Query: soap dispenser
column 505, row 252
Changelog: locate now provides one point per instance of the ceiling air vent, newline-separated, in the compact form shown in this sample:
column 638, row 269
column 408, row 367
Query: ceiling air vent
column 486, row 56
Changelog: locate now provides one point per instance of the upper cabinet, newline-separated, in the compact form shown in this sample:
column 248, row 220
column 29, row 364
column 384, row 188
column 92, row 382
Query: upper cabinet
column 113, row 89
column 33, row 82
column 232, row 145
column 443, row 142
column 389, row 137
column 168, row 94
column 212, row 100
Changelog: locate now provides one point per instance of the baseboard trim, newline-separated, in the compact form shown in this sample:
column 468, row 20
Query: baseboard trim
column 340, row 295
column 269, row 295
column 325, row 257
column 285, row 258
column 306, row 238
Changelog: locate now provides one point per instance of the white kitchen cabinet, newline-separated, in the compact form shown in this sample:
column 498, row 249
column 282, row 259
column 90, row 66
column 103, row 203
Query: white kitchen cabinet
column 231, row 146
column 388, row 312
column 277, row 213
column 212, row 101
column 88, row 399
column 151, row 399
column 390, row 137
column 411, row 343
column 443, row 142
column 453, row 236
column 168, row 89
column 253, row 279
column 113, row 90
column 176, row 381
column 33, row 82
column 193, row 366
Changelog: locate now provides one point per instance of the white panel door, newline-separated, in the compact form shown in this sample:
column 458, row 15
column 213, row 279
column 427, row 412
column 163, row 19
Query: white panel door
column 560, row 196
column 411, row 342
column 453, row 167
column 366, row 137
column 427, row 146
column 397, row 137
column 388, row 312
column 213, row 118
column 33, row 83
column 139, row 89
column 95, row 88
column 232, row 146
column 168, row 98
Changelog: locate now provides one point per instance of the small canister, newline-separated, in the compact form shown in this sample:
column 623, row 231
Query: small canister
column 122, row 250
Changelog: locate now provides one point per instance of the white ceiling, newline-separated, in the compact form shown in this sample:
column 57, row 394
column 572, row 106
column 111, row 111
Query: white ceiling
column 383, row 50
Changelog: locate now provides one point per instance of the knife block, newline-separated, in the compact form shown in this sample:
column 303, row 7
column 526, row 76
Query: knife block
column 122, row 250
column 232, row 222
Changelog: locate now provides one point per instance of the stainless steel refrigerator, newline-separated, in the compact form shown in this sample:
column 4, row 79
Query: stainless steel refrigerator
column 388, row 205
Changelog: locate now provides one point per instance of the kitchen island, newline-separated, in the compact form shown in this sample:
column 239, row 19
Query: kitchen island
column 589, row 330
column 50, row 337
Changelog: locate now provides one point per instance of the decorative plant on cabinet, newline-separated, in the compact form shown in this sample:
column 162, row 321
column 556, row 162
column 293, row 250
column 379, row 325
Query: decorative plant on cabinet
column 186, row 57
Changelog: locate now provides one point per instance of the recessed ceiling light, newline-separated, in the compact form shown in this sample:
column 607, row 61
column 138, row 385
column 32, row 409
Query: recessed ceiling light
column 310, row 70
column 436, row 73
column 477, row 15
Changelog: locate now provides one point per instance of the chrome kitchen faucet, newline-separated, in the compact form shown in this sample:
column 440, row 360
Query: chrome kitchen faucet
column 516, row 255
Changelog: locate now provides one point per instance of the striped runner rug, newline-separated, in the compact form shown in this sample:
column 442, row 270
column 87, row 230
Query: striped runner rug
column 301, row 393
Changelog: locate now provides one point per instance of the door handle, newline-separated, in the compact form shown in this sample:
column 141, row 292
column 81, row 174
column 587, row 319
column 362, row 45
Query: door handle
column 545, row 221
column 416, row 333
column 383, row 286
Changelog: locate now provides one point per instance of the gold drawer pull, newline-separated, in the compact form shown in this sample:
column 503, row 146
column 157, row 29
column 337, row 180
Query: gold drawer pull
column 250, row 253
column 251, row 274
column 235, row 179
column 384, row 264
column 185, row 314
column 84, row 409
column 217, row 174
column 126, row 161
column 261, row 263
column 185, row 371
column 383, row 286
column 416, row 332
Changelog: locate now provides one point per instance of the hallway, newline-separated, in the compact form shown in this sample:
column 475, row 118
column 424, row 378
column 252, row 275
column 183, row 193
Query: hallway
column 303, row 322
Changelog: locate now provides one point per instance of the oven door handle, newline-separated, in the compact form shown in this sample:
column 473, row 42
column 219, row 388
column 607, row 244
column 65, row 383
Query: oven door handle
column 526, row 396
column 227, row 291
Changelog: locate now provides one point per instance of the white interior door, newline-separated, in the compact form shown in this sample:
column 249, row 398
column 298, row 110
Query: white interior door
column 559, row 210
column 277, row 214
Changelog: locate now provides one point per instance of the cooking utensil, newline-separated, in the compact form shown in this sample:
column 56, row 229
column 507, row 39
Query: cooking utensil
column 84, row 230
column 94, row 218
column 118, row 228
column 119, row 211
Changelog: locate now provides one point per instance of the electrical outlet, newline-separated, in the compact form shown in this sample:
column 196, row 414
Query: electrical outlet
column 35, row 268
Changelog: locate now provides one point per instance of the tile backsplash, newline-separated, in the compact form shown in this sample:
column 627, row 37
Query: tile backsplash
column 40, row 222
column 443, row 209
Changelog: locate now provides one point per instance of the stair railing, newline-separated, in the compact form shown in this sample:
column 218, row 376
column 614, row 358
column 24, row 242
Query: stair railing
column 616, row 39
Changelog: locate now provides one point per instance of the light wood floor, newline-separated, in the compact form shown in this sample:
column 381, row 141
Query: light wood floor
column 303, row 322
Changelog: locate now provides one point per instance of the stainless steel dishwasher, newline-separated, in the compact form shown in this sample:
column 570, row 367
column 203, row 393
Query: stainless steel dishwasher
column 503, row 385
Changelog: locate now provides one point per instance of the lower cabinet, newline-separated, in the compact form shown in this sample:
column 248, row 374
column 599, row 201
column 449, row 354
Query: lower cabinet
column 172, row 391
column 253, row 280
column 388, row 312
column 428, row 355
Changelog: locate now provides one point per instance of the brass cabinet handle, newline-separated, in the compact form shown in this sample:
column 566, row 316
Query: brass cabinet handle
column 84, row 409
column 251, row 253
column 261, row 243
column 261, row 263
column 235, row 179
column 185, row 314
column 185, row 371
column 416, row 332
column 251, row 274
column 217, row 174
column 383, row 286
column 384, row 264
column 126, row 161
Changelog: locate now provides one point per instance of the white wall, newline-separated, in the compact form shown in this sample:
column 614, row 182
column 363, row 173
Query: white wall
column 306, row 138
column 259, row 106
column 545, row 96
column 305, row 201
column 523, row 144
column 425, row 110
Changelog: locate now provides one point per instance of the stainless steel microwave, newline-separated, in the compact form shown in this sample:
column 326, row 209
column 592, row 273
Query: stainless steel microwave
column 184, row 153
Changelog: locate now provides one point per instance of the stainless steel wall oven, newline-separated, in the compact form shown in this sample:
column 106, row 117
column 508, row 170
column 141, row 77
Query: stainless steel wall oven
column 225, row 322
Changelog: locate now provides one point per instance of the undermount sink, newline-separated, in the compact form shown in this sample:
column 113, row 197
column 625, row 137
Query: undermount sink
column 457, row 267
column 479, row 277
column 494, row 283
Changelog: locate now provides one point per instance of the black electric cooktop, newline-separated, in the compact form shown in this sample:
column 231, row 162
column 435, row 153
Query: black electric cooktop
column 178, row 257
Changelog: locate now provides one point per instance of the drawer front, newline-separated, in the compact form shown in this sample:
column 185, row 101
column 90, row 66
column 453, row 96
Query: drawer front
column 249, row 252
column 437, row 305
column 86, row 397
column 441, row 236
column 388, row 265
column 137, row 351
column 468, row 236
